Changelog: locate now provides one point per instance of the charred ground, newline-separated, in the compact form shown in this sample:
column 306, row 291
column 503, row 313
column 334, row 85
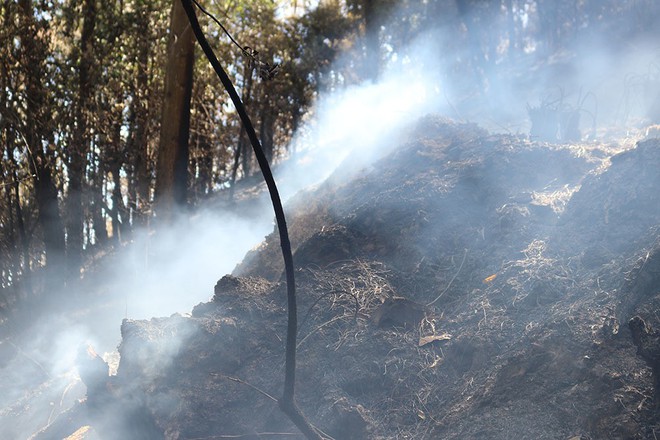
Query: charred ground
column 465, row 285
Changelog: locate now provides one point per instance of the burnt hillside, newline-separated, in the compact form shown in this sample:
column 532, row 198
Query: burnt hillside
column 465, row 285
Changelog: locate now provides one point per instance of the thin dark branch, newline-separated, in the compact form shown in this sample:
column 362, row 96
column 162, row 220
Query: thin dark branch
column 30, row 358
column 219, row 24
column 450, row 281
column 319, row 327
column 266, row 71
column 242, row 382
column 332, row 292
column 250, row 436
column 287, row 402
column 17, row 181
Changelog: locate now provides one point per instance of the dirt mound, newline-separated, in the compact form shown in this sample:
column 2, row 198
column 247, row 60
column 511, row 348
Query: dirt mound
column 453, row 289
column 615, row 211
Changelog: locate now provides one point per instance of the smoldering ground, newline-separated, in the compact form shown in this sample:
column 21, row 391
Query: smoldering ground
column 158, row 274
column 175, row 268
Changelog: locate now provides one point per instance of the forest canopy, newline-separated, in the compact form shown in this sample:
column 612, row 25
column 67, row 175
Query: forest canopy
column 84, row 92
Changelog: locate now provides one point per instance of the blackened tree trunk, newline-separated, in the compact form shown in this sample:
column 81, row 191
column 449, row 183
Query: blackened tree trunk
column 139, row 142
column 141, row 166
column 20, row 224
column 243, row 152
column 202, row 164
column 119, row 212
column 80, row 148
column 173, row 152
column 98, row 219
column 96, row 196
column 267, row 128
column 49, row 217
column 244, row 148
column 36, row 124
column 371, row 41
column 15, row 232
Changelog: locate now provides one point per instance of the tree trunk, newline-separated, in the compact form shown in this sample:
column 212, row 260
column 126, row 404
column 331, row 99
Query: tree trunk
column 46, row 194
column 244, row 148
column 19, row 244
column 243, row 153
column 20, row 224
column 173, row 151
column 18, row 241
column 141, row 197
column 267, row 128
column 96, row 197
column 49, row 216
column 10, row 263
column 117, row 221
column 202, row 166
column 79, row 149
column 371, row 68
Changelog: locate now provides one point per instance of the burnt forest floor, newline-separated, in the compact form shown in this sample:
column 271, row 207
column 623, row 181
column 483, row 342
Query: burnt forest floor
column 464, row 285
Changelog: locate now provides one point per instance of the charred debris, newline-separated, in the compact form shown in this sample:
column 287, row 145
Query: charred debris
column 465, row 285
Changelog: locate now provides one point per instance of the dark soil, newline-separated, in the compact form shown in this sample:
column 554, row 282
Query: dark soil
column 466, row 285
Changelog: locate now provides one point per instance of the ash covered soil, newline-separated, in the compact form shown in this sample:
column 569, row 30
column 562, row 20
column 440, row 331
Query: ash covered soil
column 465, row 285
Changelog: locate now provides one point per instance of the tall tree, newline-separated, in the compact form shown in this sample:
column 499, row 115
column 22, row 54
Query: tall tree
column 141, row 119
column 374, row 15
column 173, row 152
column 79, row 149
column 37, row 108
column 371, row 40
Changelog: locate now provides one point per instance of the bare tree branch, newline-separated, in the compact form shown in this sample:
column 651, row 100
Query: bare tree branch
column 287, row 402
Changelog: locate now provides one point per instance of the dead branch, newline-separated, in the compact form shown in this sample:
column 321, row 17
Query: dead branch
column 242, row 382
column 287, row 402
column 246, row 436
column 30, row 358
column 450, row 281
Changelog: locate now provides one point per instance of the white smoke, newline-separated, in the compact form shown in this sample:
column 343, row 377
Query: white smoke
column 172, row 270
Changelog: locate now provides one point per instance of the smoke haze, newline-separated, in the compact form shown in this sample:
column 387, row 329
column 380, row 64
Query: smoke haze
column 174, row 269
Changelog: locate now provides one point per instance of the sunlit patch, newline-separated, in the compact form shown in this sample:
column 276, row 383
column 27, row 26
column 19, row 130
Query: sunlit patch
column 490, row 278
column 81, row 433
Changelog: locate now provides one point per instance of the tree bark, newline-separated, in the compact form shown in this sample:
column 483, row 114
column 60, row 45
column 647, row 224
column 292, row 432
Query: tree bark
column 173, row 151
column 79, row 149
column 139, row 182
column 267, row 128
column 16, row 233
column 243, row 153
column 141, row 167
column 49, row 217
column 140, row 150
column 22, row 232
column 371, row 41
column 46, row 194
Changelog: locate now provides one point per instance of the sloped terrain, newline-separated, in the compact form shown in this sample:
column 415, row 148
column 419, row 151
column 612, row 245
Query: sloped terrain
column 466, row 285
